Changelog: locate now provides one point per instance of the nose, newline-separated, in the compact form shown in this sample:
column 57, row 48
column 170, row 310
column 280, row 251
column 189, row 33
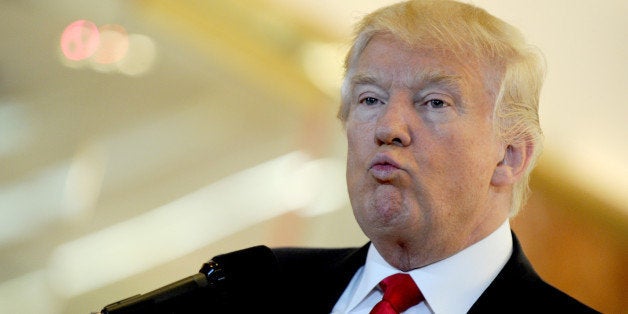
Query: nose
column 392, row 126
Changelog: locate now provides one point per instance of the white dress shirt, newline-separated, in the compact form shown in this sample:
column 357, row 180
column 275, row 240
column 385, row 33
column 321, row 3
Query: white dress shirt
column 449, row 286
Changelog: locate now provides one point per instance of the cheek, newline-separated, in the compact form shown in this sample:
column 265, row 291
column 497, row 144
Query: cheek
column 473, row 160
column 358, row 139
column 353, row 150
column 359, row 148
column 457, row 154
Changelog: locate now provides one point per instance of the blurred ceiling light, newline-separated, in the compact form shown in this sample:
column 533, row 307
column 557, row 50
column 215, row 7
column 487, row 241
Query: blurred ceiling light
column 323, row 64
column 66, row 191
column 140, row 57
column 326, row 186
column 187, row 224
column 106, row 49
column 80, row 40
column 84, row 180
column 114, row 44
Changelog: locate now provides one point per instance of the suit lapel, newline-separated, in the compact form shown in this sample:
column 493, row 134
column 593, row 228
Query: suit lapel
column 517, row 273
column 343, row 272
column 314, row 279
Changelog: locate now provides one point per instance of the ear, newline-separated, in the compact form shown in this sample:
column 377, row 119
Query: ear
column 512, row 167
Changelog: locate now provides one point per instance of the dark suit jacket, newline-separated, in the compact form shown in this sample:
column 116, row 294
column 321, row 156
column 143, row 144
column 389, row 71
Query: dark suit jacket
column 300, row 280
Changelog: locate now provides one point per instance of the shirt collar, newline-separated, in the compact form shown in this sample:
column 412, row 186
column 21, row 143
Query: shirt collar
column 462, row 277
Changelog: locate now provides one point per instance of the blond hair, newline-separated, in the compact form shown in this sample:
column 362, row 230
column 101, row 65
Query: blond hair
column 469, row 33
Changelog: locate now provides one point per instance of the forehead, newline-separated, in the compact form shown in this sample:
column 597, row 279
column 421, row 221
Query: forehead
column 387, row 60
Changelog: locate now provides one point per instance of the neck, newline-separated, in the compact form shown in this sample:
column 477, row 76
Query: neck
column 426, row 249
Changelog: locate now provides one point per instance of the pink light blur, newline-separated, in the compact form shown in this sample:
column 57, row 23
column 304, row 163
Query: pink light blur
column 80, row 40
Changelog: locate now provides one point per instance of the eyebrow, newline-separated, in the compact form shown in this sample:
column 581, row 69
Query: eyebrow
column 422, row 78
column 452, row 82
column 363, row 79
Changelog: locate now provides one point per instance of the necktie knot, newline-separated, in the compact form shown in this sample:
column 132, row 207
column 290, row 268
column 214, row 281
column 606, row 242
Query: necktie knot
column 400, row 293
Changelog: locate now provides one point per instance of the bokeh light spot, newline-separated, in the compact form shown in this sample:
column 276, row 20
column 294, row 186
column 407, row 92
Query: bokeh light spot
column 141, row 55
column 114, row 44
column 80, row 40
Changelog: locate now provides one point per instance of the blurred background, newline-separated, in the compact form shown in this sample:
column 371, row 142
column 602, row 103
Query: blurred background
column 140, row 138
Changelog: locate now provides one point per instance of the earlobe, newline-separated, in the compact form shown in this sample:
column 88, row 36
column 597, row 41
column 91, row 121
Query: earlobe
column 513, row 166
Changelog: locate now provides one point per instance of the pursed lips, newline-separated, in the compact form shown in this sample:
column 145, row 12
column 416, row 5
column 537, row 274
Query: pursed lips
column 383, row 167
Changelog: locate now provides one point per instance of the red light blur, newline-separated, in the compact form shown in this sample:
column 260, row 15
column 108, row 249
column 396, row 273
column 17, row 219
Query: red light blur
column 80, row 40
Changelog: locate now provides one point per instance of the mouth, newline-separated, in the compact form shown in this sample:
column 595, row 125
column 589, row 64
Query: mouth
column 384, row 168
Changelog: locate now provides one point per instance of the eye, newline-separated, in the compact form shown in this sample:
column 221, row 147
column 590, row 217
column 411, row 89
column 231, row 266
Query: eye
column 369, row 101
column 437, row 103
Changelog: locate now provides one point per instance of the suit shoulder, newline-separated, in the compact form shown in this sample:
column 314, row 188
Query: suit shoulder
column 527, row 295
column 519, row 289
column 290, row 261
column 289, row 255
column 555, row 300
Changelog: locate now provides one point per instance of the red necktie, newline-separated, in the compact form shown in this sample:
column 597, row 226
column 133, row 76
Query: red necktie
column 400, row 293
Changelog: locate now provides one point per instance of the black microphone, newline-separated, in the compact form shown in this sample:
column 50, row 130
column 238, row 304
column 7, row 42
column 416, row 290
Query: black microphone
column 218, row 281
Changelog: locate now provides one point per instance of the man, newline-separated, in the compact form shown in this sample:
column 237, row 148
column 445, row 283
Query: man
column 440, row 105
